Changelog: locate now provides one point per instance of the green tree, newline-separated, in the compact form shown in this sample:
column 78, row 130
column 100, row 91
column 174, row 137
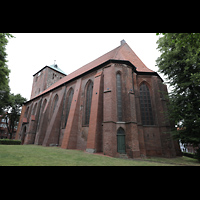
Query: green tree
column 13, row 111
column 180, row 62
column 4, row 71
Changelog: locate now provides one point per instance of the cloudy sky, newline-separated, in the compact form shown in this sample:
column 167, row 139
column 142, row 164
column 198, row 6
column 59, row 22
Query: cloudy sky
column 30, row 52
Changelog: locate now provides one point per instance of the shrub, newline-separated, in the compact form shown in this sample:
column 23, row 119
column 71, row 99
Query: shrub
column 191, row 155
column 197, row 155
column 10, row 142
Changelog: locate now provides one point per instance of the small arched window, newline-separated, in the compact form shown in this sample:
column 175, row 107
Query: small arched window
column 119, row 97
column 89, row 90
column 145, row 105
column 69, row 101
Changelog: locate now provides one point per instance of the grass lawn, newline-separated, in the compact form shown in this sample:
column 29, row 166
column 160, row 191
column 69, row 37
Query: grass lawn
column 32, row 155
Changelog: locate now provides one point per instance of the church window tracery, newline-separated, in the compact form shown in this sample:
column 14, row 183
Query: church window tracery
column 55, row 103
column 119, row 97
column 145, row 105
column 89, row 90
column 69, row 101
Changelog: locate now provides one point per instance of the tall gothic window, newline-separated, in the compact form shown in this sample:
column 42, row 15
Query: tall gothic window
column 43, row 105
column 69, row 101
column 55, row 101
column 34, row 109
column 145, row 105
column 89, row 91
column 42, row 110
column 119, row 97
column 26, row 113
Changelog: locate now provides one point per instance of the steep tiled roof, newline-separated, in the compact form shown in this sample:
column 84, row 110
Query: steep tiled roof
column 126, row 53
column 122, row 52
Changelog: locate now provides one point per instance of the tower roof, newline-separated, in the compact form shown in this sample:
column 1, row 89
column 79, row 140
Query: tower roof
column 122, row 52
column 56, row 68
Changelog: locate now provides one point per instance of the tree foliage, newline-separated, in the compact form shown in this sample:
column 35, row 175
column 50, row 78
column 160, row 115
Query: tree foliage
column 4, row 71
column 180, row 62
column 13, row 111
column 10, row 104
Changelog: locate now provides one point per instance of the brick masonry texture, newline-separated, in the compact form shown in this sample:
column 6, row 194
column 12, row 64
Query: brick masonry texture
column 42, row 120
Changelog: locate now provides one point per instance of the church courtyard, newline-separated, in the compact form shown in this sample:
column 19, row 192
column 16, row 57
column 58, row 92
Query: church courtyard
column 34, row 155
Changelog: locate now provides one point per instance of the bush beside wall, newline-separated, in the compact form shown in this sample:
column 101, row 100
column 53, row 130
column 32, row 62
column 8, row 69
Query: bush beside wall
column 191, row 155
column 10, row 142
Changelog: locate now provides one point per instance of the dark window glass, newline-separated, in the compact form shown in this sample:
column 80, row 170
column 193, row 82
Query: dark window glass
column 145, row 105
column 88, row 102
column 69, row 101
column 120, row 131
column 42, row 110
column 26, row 113
column 55, row 102
column 119, row 97
column 34, row 109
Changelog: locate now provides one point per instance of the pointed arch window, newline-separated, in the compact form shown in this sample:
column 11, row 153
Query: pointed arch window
column 89, row 91
column 26, row 113
column 44, row 105
column 34, row 109
column 55, row 101
column 145, row 105
column 119, row 97
column 69, row 101
column 42, row 111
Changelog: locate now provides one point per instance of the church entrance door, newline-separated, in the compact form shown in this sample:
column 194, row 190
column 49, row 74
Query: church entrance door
column 121, row 147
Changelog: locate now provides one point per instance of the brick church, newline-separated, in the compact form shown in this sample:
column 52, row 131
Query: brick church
column 114, row 105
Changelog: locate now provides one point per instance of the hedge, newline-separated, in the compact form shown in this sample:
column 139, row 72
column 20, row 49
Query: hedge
column 197, row 156
column 10, row 142
column 191, row 155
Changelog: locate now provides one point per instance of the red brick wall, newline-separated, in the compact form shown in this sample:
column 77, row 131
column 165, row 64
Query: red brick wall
column 43, row 80
column 101, row 134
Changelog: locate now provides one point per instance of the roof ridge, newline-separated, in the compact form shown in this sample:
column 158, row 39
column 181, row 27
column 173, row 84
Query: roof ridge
column 118, row 49
column 109, row 52
column 126, row 53
column 122, row 52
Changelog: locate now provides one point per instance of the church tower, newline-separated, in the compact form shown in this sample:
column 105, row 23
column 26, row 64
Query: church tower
column 44, row 78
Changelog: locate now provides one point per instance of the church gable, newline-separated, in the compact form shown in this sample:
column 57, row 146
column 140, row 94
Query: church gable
column 126, row 53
